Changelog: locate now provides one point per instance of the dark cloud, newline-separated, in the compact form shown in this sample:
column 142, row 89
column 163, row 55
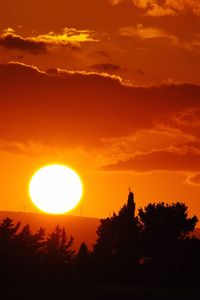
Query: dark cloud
column 106, row 67
column 69, row 37
column 159, row 161
column 11, row 41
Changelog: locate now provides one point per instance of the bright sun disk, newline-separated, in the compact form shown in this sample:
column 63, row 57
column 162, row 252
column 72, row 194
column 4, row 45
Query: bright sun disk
column 55, row 189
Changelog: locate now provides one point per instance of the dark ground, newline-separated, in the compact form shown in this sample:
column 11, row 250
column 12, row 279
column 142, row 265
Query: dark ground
column 96, row 292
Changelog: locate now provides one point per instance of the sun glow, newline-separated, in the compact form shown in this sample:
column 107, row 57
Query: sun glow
column 55, row 189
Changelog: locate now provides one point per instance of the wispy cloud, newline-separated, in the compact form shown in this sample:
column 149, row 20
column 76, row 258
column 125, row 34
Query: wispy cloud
column 157, row 8
column 69, row 37
column 144, row 143
column 189, row 117
column 146, row 33
column 162, row 160
column 194, row 179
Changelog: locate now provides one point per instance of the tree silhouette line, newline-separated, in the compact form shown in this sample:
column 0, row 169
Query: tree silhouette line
column 156, row 246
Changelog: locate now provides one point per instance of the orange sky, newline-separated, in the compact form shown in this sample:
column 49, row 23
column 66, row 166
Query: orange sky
column 110, row 88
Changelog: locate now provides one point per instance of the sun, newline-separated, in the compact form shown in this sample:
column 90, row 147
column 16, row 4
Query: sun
column 55, row 189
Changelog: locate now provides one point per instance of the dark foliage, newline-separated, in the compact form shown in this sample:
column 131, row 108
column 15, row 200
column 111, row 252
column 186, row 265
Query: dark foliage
column 57, row 250
column 154, row 247
column 147, row 248
column 164, row 229
column 83, row 257
column 27, row 256
column 116, row 250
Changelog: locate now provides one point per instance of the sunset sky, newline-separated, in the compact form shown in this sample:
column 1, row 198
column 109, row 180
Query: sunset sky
column 110, row 88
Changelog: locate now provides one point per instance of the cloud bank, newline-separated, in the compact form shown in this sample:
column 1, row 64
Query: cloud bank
column 130, row 128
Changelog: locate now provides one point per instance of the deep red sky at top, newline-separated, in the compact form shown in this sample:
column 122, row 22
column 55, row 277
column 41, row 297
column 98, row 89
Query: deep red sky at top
column 109, row 87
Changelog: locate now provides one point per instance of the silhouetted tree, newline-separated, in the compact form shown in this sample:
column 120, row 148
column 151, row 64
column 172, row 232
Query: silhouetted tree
column 164, row 226
column 8, row 234
column 8, row 230
column 116, row 249
column 83, row 262
column 28, row 248
column 24, row 254
column 58, row 251
column 83, row 256
column 155, row 246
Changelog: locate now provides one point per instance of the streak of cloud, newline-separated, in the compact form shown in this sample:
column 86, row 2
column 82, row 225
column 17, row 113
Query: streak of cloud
column 69, row 37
